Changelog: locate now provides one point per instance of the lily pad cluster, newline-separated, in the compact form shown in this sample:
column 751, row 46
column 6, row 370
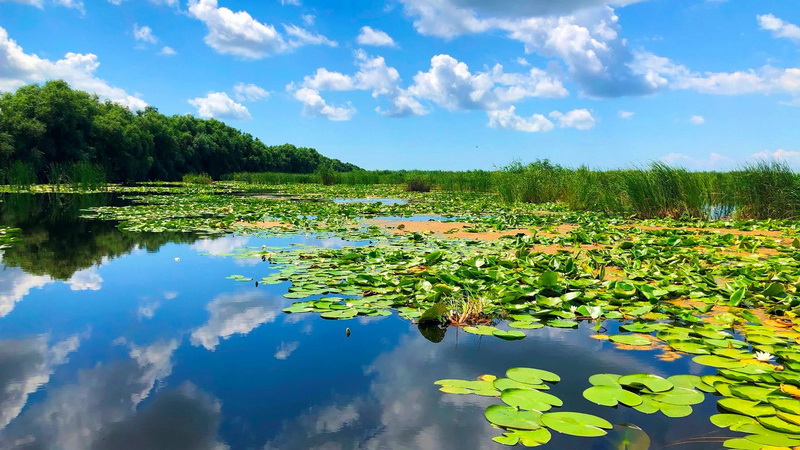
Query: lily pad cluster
column 526, row 417
column 647, row 393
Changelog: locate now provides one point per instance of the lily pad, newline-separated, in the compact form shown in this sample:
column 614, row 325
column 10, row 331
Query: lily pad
column 576, row 424
column 510, row 417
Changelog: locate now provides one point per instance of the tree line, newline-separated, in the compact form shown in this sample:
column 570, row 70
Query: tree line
column 52, row 126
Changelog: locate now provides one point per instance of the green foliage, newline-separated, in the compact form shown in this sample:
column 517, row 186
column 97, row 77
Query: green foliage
column 53, row 127
column 418, row 185
column 20, row 174
column 194, row 178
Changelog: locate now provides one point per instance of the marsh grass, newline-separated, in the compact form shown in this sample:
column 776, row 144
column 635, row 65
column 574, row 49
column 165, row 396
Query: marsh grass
column 20, row 175
column 85, row 175
column 194, row 178
column 766, row 189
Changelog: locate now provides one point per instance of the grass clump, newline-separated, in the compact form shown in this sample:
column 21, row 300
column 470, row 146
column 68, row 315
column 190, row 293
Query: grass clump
column 419, row 184
column 195, row 178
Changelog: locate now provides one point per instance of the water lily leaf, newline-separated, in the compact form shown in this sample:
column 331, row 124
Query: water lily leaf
column 717, row 361
column 773, row 439
column 342, row 314
column 749, row 392
column 652, row 382
column 729, row 420
column 675, row 411
column 562, row 324
column 530, row 399
column 531, row 376
column 507, row 383
column 685, row 381
column 777, row 424
column 481, row 330
column 741, row 444
column 631, row 339
column 690, row 347
column 510, row 417
column 605, row 379
column 627, row 436
column 576, row 424
column 681, row 396
column 611, row 396
column 784, row 404
column 791, row 418
column 509, row 335
column 526, row 325
column 746, row 407
column 528, row 438
column 648, row 405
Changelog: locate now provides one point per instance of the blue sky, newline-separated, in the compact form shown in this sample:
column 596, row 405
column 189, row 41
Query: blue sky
column 441, row 84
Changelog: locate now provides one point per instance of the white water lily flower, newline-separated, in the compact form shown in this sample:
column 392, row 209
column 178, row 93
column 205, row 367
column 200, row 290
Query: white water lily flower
column 764, row 356
column 595, row 312
column 573, row 308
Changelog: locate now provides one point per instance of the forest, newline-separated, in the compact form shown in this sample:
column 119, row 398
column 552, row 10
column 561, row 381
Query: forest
column 51, row 132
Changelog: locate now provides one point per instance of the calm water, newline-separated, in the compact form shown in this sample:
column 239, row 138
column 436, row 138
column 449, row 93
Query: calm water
column 112, row 340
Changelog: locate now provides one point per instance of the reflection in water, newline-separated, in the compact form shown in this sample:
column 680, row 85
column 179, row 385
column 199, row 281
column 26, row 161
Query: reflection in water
column 235, row 314
column 57, row 243
column 25, row 365
column 99, row 411
column 16, row 284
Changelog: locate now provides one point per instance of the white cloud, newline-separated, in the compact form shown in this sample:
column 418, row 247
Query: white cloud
column 779, row 28
column 85, row 280
column 157, row 2
column 167, row 51
column 584, row 34
column 291, row 2
column 625, row 114
column 285, row 350
column 220, row 246
column 780, row 155
column 325, row 80
column 239, row 34
column 219, row 106
column 234, row 314
column 697, row 120
column 308, row 19
column 18, row 68
column 523, row 62
column 74, row 4
column 315, row 105
column 378, row 38
column 450, row 84
column 144, row 34
column 508, row 119
column 16, row 285
column 250, row 92
column 580, row 119
column 712, row 161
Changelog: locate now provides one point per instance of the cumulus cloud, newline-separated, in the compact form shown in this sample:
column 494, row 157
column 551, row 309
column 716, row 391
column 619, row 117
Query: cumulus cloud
column 378, row 38
column 232, row 314
column 315, row 105
column 779, row 28
column 220, row 246
column 580, row 119
column 239, row 34
column 245, row 92
column 144, row 34
column 779, row 155
column 16, row 285
column 18, row 68
column 712, row 161
column 85, row 280
column 25, row 366
column 697, row 120
column 450, row 84
column 508, row 119
column 219, row 106
column 625, row 114
column 584, row 34
column 167, row 51
column 663, row 72
column 285, row 350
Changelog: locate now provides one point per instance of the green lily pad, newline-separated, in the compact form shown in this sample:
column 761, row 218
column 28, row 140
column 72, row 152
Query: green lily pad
column 611, row 396
column 507, row 383
column 631, row 339
column 652, row 382
column 605, row 379
column 527, row 438
column 510, row 417
column 675, row 411
column 717, row 361
column 509, row 335
column 576, row 424
column 729, row 420
column 531, row 376
column 530, row 399
column 777, row 424
column 746, row 407
column 481, row 330
column 681, row 396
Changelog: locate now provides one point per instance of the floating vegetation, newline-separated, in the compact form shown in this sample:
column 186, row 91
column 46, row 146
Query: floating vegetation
column 525, row 417
column 9, row 236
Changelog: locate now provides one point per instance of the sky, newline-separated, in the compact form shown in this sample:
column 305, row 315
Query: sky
column 441, row 84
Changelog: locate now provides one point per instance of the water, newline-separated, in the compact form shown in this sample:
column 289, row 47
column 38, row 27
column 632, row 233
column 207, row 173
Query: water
column 112, row 340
